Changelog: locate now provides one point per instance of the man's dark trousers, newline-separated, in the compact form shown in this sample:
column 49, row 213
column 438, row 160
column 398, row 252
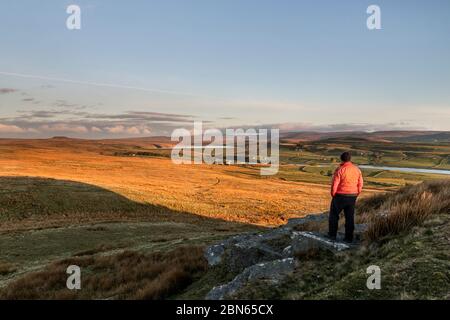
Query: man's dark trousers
column 347, row 203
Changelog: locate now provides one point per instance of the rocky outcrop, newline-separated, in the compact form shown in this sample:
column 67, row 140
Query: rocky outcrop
column 311, row 218
column 248, row 249
column 258, row 247
column 272, row 272
column 270, row 255
column 304, row 241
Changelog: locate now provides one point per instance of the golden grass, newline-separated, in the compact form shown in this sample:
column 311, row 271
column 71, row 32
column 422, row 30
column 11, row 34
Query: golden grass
column 230, row 193
column 397, row 212
column 34, row 203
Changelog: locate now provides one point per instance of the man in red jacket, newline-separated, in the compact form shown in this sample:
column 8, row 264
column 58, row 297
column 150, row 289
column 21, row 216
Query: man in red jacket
column 346, row 186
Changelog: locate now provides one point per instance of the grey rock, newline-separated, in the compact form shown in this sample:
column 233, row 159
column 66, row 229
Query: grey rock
column 274, row 233
column 242, row 251
column 214, row 254
column 238, row 257
column 303, row 241
column 287, row 252
column 272, row 272
column 318, row 217
column 246, row 250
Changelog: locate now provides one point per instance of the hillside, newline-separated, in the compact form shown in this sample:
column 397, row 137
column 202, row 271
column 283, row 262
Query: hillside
column 430, row 138
column 400, row 136
column 232, row 193
column 407, row 235
column 139, row 225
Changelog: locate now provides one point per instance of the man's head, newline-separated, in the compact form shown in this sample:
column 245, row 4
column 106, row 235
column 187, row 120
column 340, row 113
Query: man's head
column 346, row 157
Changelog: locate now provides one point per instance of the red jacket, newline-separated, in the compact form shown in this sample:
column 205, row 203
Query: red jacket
column 347, row 179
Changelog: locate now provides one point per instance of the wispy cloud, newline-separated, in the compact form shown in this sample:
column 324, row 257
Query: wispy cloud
column 7, row 90
column 87, row 124
column 5, row 128
column 96, row 84
column 63, row 127
column 337, row 127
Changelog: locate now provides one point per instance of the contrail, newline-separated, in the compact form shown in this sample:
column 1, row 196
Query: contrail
column 97, row 84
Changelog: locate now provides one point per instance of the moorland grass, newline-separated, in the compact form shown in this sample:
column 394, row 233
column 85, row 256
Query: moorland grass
column 126, row 275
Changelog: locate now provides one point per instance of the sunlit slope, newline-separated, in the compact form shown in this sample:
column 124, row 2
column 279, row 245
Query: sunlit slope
column 227, row 192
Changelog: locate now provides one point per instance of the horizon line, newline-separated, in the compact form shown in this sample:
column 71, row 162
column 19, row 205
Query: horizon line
column 167, row 136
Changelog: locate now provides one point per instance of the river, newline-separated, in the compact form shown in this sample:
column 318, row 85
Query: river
column 409, row 170
column 400, row 169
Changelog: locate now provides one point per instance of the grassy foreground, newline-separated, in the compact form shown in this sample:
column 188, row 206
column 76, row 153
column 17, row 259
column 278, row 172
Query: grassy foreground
column 78, row 202
column 48, row 224
column 408, row 238
column 412, row 253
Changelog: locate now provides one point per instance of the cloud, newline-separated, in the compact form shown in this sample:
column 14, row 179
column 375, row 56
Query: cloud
column 65, row 104
column 343, row 127
column 133, row 130
column 70, row 122
column 7, row 90
column 128, row 130
column 63, row 127
column 47, row 86
column 141, row 116
column 115, row 129
column 128, row 116
column 97, row 130
column 335, row 127
column 45, row 123
column 36, row 114
column 99, row 84
column 6, row 128
column 260, row 105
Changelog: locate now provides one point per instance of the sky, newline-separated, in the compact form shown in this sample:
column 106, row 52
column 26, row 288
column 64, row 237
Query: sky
column 141, row 68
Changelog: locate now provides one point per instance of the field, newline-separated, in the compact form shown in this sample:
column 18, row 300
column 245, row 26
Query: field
column 229, row 193
column 60, row 198
column 80, row 200
column 317, row 160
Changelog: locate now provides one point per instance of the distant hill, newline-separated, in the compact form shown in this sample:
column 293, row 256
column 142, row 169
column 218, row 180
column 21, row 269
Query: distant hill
column 386, row 136
column 351, row 140
column 285, row 137
column 314, row 136
column 430, row 138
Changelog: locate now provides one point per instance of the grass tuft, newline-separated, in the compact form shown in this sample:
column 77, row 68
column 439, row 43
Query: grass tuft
column 398, row 212
column 7, row 268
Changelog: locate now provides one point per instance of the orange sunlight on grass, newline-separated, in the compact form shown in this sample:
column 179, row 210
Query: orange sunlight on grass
column 226, row 192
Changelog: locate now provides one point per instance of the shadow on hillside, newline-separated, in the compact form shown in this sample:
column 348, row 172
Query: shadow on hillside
column 33, row 202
